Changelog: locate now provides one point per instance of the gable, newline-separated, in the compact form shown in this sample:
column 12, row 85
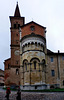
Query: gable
column 32, row 27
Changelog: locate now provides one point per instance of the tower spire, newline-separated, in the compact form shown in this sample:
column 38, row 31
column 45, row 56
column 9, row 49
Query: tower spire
column 17, row 12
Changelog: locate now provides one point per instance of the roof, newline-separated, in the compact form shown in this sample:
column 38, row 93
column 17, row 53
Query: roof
column 17, row 12
column 49, row 52
column 8, row 59
column 34, row 23
column 1, row 70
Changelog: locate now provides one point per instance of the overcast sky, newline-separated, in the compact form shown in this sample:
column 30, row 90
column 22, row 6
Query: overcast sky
column 48, row 13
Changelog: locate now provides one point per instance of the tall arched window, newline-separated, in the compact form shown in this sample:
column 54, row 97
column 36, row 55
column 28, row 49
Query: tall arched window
column 26, row 66
column 25, row 62
column 35, row 64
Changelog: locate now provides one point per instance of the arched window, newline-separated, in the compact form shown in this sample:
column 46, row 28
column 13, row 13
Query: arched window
column 25, row 62
column 14, row 25
column 36, row 43
column 35, row 64
column 26, row 66
column 28, row 44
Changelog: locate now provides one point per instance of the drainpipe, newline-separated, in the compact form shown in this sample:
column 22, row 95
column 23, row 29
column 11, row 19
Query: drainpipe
column 58, row 66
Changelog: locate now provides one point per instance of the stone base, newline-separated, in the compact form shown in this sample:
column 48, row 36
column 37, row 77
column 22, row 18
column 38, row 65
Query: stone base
column 35, row 87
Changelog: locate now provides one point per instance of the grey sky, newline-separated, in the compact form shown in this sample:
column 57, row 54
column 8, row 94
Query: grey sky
column 48, row 13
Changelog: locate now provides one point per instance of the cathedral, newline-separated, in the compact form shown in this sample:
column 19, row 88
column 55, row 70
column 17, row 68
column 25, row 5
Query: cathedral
column 31, row 65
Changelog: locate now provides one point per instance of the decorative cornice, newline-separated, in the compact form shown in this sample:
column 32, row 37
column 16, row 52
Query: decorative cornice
column 33, row 35
column 15, row 45
column 31, row 50
column 15, row 66
column 34, row 23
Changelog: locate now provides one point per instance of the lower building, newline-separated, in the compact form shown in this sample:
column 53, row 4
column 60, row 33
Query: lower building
column 55, row 69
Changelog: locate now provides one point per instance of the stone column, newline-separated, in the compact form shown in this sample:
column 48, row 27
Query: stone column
column 43, row 74
column 30, row 72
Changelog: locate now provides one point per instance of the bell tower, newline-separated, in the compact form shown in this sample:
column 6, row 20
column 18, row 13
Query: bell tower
column 16, row 22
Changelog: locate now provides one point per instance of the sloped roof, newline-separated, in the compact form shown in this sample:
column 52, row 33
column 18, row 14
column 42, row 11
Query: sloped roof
column 49, row 52
column 8, row 59
column 34, row 23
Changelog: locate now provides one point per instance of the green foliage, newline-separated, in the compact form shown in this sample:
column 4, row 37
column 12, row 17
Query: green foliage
column 46, row 90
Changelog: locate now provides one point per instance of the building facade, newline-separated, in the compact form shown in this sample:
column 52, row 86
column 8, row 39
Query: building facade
column 1, row 77
column 32, row 65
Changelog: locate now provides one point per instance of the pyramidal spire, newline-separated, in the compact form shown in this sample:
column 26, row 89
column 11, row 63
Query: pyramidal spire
column 17, row 12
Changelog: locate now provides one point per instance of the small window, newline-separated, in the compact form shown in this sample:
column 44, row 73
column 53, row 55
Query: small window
column 52, row 72
column 17, row 71
column 14, row 25
column 18, row 26
column 62, row 57
column 63, row 82
column 17, row 34
column 51, row 59
column 35, row 87
column 34, row 64
column 28, row 44
column 32, row 33
column 8, row 66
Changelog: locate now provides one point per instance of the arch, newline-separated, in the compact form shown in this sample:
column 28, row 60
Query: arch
column 63, row 82
column 36, row 43
column 35, row 62
column 32, row 43
column 43, row 61
column 39, row 43
column 25, row 63
column 25, row 60
column 26, row 44
column 34, row 59
column 32, row 33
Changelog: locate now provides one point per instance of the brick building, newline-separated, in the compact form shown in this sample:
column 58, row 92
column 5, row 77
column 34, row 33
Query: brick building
column 12, row 64
column 32, row 65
